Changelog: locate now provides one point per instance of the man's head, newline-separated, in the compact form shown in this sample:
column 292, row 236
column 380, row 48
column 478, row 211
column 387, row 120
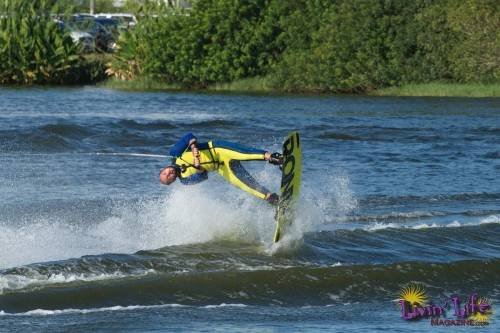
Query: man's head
column 168, row 175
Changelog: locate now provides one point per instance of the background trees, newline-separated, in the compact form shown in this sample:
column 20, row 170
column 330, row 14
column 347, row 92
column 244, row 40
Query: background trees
column 302, row 45
column 32, row 47
column 319, row 45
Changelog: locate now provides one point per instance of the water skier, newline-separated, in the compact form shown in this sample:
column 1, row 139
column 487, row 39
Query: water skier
column 192, row 160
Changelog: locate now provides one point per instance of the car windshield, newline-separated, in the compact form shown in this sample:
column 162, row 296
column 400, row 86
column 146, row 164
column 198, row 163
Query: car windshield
column 109, row 23
column 84, row 25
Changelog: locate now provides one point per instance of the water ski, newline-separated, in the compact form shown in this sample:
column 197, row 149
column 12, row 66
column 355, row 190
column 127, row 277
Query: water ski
column 290, row 184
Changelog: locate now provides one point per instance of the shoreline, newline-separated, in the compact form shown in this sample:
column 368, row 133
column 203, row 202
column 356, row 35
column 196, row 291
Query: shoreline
column 440, row 89
column 259, row 86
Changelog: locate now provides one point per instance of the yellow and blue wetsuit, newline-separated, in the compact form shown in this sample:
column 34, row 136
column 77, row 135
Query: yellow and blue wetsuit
column 221, row 156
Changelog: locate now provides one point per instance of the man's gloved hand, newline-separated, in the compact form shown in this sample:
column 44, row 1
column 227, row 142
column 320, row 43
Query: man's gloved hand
column 276, row 159
column 273, row 199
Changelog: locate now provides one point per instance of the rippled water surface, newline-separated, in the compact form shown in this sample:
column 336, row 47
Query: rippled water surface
column 395, row 190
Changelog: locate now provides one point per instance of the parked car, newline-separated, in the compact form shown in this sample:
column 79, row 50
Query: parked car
column 85, row 40
column 125, row 20
column 104, row 31
column 111, row 25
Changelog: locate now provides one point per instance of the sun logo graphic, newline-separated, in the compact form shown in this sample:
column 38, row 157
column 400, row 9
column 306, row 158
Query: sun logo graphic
column 414, row 294
column 477, row 309
column 484, row 316
column 415, row 303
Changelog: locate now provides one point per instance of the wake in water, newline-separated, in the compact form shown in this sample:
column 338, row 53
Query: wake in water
column 185, row 215
column 181, row 217
column 295, row 286
column 321, row 205
column 190, row 246
column 195, row 215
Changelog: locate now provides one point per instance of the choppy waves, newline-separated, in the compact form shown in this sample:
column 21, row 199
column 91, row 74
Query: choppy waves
column 393, row 193
column 41, row 312
column 323, row 268
column 281, row 286
column 106, row 134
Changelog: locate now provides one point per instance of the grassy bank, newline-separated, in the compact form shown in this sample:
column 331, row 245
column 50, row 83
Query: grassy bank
column 316, row 46
column 139, row 84
column 250, row 85
column 253, row 85
column 442, row 90
column 261, row 85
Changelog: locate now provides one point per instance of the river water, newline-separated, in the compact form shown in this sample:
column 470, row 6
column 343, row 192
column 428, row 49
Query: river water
column 395, row 191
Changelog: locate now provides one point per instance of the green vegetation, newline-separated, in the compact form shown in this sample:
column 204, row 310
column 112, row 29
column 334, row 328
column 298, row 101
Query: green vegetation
column 220, row 41
column 33, row 50
column 139, row 84
column 319, row 46
column 252, row 84
column 442, row 89
column 315, row 46
column 92, row 67
column 144, row 83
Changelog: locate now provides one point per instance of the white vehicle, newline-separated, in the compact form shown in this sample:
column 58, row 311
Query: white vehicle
column 86, row 40
column 126, row 20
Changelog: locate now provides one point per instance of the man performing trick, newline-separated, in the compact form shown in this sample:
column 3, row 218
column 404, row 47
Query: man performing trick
column 192, row 160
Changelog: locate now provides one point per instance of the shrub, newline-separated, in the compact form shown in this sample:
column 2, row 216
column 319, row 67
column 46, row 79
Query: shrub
column 316, row 45
column 218, row 41
column 33, row 50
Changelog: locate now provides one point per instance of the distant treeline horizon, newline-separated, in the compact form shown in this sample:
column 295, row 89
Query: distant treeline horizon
column 296, row 46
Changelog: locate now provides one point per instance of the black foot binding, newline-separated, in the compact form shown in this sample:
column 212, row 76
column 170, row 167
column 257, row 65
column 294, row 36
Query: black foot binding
column 276, row 159
column 273, row 199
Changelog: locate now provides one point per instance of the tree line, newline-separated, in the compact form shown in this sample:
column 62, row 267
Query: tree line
column 301, row 45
